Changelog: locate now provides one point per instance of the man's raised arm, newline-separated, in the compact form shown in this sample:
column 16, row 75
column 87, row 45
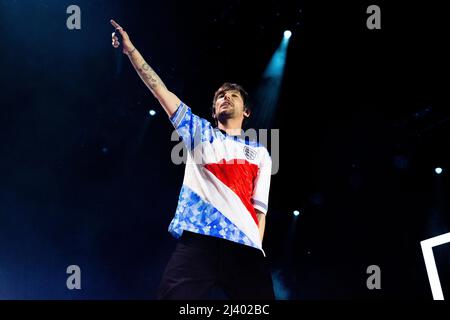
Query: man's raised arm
column 167, row 99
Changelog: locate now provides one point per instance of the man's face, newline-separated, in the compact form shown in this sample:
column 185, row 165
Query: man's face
column 229, row 104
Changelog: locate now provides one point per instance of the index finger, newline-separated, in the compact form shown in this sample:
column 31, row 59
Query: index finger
column 115, row 24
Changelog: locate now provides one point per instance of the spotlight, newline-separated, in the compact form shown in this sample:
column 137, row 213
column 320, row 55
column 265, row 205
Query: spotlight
column 268, row 90
column 152, row 112
column 296, row 213
column 438, row 170
column 287, row 34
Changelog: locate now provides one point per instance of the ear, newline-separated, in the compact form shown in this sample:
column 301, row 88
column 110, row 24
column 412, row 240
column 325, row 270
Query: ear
column 247, row 113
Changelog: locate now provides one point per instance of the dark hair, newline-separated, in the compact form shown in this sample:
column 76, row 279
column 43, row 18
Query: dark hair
column 227, row 86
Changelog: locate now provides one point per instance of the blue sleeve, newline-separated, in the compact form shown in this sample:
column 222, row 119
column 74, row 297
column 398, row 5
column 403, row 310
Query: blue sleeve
column 191, row 128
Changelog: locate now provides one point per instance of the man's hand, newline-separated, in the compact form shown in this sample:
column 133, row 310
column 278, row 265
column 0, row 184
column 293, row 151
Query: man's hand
column 127, row 46
column 261, row 223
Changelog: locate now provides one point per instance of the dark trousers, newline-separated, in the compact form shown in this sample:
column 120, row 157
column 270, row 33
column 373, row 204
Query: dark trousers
column 199, row 263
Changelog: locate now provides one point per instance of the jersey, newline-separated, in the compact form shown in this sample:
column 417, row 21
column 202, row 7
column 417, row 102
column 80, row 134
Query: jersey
column 226, row 178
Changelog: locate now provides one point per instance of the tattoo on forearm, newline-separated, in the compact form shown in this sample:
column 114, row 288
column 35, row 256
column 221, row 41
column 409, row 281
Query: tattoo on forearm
column 149, row 74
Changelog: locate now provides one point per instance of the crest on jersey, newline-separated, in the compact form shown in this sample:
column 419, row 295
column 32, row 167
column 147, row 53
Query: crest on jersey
column 250, row 154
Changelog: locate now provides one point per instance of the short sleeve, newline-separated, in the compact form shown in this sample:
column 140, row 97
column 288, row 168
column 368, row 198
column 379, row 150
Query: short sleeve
column 190, row 127
column 260, row 198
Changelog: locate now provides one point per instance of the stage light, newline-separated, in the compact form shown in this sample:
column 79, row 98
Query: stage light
column 438, row 170
column 152, row 112
column 296, row 213
column 268, row 90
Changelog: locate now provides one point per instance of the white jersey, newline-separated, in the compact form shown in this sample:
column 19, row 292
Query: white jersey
column 226, row 178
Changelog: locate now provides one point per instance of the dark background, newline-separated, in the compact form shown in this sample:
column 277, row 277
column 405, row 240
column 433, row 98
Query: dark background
column 86, row 176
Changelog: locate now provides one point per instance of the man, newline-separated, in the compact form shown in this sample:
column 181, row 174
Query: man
column 220, row 217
